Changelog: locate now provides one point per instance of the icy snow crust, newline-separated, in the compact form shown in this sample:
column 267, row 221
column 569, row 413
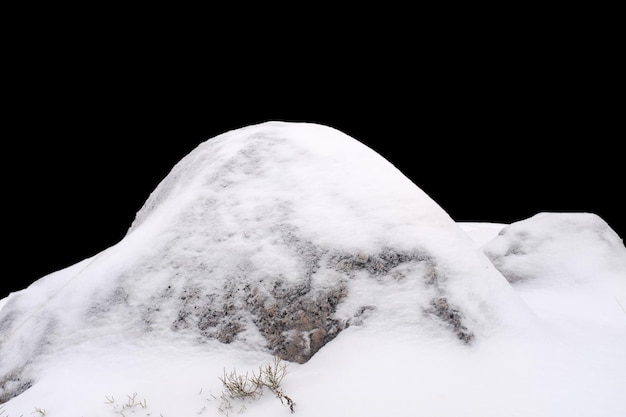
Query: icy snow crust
column 290, row 238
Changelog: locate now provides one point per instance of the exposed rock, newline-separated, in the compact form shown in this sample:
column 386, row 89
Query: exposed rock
column 13, row 384
column 296, row 330
column 451, row 316
column 295, row 319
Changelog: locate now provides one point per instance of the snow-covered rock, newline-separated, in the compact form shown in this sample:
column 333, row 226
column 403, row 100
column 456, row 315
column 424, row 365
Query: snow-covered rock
column 569, row 268
column 561, row 249
column 274, row 237
column 296, row 240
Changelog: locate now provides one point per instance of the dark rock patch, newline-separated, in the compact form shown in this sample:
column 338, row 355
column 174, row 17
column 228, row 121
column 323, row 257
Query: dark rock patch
column 452, row 317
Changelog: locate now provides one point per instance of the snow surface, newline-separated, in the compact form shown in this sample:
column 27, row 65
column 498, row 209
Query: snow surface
column 481, row 233
column 281, row 203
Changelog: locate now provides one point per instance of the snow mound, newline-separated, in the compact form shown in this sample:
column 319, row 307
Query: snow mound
column 272, row 238
column 570, row 269
column 562, row 249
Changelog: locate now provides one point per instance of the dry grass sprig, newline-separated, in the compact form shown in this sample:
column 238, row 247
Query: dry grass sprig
column 237, row 386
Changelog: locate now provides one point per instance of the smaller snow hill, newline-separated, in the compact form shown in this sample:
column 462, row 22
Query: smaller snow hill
column 561, row 249
column 566, row 266
column 295, row 240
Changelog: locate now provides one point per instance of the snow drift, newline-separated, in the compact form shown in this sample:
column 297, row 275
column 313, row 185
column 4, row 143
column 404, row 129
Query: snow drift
column 298, row 241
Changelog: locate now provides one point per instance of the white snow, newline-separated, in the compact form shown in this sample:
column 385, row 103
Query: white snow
column 552, row 343
column 583, row 242
column 481, row 233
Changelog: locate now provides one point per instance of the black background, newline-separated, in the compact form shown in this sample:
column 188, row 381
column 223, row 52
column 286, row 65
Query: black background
column 494, row 126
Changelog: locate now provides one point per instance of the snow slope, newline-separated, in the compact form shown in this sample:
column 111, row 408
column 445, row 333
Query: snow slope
column 481, row 233
column 294, row 239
